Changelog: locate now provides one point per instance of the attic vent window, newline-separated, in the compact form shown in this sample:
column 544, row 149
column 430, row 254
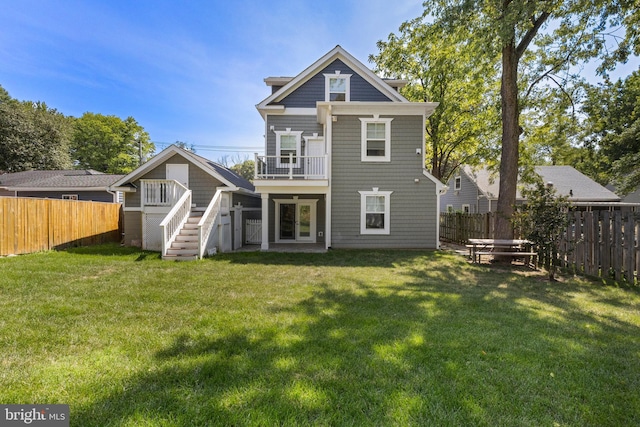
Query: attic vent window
column 337, row 87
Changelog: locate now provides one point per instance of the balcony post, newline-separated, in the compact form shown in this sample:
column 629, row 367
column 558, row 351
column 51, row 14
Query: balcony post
column 290, row 165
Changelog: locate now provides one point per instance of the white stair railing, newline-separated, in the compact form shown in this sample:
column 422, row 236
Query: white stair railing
column 175, row 219
column 209, row 219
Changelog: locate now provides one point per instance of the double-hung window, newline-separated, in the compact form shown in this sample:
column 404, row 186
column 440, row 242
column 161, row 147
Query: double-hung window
column 376, row 140
column 288, row 147
column 375, row 211
column 337, row 87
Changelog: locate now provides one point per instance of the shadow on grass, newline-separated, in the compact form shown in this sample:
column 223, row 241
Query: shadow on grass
column 446, row 344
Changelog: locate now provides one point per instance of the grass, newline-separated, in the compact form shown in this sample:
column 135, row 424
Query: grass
column 342, row 338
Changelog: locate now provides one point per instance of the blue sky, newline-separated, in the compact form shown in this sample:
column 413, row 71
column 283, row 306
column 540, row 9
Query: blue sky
column 191, row 70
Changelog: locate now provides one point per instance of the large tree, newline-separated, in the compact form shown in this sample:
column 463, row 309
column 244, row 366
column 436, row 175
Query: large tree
column 32, row 136
column 558, row 34
column 444, row 65
column 613, row 130
column 109, row 144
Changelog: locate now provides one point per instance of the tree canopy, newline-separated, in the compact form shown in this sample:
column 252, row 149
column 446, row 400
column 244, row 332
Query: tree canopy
column 32, row 136
column 109, row 144
column 534, row 42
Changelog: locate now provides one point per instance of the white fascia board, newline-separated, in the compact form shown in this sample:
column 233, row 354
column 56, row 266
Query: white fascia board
column 163, row 156
column 326, row 109
column 336, row 53
column 320, row 186
column 124, row 189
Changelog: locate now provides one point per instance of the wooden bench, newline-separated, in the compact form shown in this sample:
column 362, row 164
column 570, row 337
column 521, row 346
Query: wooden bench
column 527, row 255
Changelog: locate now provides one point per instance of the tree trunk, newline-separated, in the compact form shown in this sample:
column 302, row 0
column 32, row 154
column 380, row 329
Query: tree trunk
column 510, row 141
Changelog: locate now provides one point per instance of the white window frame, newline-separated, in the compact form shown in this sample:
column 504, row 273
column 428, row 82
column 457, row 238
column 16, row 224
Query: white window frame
column 457, row 183
column 466, row 208
column 387, row 139
column 69, row 197
column 288, row 132
column 327, row 86
column 363, row 212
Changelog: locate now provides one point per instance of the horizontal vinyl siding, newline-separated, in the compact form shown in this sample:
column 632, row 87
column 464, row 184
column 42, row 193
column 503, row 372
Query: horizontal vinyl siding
column 468, row 195
column 413, row 205
column 96, row 196
column 202, row 185
column 246, row 200
column 313, row 90
column 321, row 218
column 308, row 124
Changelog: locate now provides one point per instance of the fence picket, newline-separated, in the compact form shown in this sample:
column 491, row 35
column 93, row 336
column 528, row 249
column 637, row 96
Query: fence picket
column 31, row 225
column 605, row 244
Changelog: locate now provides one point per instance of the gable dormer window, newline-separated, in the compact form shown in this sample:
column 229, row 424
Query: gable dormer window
column 337, row 87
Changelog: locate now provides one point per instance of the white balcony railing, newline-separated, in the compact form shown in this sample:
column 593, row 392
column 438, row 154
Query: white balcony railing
column 161, row 192
column 290, row 167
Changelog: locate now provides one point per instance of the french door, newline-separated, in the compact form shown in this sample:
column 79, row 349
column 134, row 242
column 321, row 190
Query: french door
column 296, row 220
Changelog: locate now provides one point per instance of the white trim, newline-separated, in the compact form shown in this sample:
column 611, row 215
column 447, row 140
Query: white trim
column 336, row 53
column 165, row 155
column 288, row 132
column 387, row 139
column 327, row 86
column 387, row 212
column 327, row 109
column 468, row 208
column 313, row 203
column 457, row 183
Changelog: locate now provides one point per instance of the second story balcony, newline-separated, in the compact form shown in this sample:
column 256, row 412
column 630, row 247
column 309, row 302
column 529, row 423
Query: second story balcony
column 291, row 167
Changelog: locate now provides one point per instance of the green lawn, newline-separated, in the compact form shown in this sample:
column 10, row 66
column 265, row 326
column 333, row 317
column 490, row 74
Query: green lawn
column 343, row 338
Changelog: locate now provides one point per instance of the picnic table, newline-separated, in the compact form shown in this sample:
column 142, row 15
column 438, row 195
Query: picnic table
column 516, row 248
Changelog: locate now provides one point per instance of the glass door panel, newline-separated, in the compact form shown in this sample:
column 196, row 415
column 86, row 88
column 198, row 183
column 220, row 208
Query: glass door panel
column 288, row 221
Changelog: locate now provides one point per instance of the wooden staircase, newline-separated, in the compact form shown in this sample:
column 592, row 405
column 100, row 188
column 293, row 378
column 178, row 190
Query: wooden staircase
column 185, row 246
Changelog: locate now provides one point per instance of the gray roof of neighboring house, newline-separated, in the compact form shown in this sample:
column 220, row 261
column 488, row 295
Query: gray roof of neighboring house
column 58, row 179
column 226, row 173
column 566, row 180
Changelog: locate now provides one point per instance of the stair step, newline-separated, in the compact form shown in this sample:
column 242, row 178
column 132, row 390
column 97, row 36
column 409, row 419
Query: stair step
column 193, row 252
column 187, row 238
column 180, row 257
column 184, row 245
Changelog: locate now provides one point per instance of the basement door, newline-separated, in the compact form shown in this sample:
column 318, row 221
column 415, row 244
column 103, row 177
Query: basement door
column 296, row 221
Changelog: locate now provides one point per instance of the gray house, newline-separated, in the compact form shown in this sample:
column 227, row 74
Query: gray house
column 344, row 160
column 185, row 206
column 60, row 184
column 475, row 190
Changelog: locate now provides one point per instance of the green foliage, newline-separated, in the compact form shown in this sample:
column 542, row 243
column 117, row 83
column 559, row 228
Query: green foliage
column 185, row 146
column 543, row 220
column 245, row 169
column 32, row 136
column 343, row 338
column 441, row 65
column 109, row 144
column 613, row 131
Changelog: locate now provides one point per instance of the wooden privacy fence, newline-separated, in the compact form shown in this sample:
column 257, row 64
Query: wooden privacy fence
column 603, row 244
column 31, row 225
column 458, row 227
column 599, row 243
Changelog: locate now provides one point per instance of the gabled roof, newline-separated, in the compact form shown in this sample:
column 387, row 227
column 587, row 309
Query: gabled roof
column 216, row 170
column 57, row 180
column 565, row 179
column 291, row 84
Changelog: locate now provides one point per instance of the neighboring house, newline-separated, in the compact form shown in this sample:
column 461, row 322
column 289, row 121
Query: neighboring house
column 475, row 190
column 344, row 160
column 60, row 184
column 185, row 205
